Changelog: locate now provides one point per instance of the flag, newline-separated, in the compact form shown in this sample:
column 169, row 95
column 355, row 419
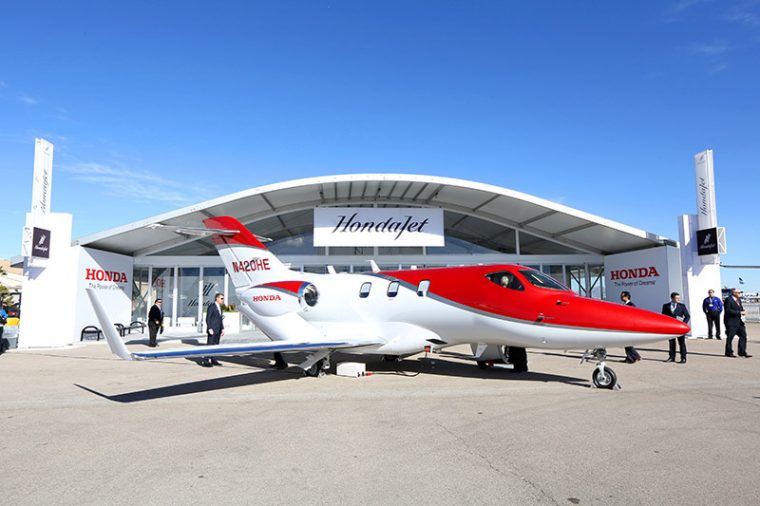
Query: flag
column 741, row 281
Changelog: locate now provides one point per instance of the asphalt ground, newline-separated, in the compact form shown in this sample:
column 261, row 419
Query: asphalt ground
column 82, row 427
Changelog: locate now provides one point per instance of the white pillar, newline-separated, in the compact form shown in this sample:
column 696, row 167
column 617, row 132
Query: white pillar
column 698, row 278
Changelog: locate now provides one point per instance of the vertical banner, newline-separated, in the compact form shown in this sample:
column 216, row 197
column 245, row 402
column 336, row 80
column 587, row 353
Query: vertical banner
column 42, row 183
column 43, row 177
column 707, row 216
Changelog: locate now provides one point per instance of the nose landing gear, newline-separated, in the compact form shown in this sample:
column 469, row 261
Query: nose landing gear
column 603, row 376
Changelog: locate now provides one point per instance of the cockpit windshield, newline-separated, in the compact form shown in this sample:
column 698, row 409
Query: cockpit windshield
column 541, row 280
column 506, row 279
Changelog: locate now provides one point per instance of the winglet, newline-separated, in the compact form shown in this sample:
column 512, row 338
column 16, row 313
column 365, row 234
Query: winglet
column 114, row 341
column 373, row 264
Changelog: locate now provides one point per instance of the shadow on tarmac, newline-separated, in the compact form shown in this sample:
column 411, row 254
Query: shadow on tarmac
column 437, row 366
column 410, row 368
column 194, row 387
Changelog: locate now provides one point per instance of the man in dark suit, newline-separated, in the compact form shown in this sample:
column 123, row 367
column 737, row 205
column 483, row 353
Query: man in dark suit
column 155, row 322
column 214, row 327
column 733, row 318
column 679, row 311
column 631, row 355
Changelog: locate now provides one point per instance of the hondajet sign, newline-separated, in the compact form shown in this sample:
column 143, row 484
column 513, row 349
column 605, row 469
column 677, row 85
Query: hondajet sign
column 364, row 226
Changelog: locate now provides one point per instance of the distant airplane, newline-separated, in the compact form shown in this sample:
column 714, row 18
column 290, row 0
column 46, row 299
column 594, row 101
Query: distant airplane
column 498, row 309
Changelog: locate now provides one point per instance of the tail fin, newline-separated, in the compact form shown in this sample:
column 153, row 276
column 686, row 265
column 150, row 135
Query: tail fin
column 247, row 260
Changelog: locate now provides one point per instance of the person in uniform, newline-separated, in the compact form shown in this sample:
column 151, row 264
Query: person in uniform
column 155, row 322
column 712, row 307
column 214, row 327
column 733, row 318
column 677, row 310
column 631, row 355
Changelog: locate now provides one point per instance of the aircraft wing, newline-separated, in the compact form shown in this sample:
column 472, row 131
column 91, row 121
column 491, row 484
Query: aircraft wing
column 119, row 349
column 217, row 350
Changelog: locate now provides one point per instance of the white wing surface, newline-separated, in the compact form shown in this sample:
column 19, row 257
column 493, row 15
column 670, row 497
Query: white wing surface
column 119, row 349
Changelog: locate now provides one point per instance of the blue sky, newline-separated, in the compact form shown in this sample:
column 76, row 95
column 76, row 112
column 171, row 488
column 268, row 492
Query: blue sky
column 597, row 105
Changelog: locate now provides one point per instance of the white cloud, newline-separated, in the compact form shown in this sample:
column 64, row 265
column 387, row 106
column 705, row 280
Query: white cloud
column 141, row 186
column 745, row 13
column 674, row 12
column 711, row 50
column 26, row 99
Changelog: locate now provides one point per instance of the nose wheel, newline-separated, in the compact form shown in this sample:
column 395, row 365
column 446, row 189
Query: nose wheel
column 603, row 376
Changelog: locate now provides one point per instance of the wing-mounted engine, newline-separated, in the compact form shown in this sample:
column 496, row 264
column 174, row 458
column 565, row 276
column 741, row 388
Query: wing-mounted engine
column 281, row 297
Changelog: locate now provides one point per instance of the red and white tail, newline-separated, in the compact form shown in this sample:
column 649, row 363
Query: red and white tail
column 247, row 260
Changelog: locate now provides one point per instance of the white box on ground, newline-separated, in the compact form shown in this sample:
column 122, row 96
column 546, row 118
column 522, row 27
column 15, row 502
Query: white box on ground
column 351, row 369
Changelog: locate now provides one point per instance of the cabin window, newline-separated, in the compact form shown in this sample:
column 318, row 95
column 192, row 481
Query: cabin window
column 506, row 279
column 364, row 290
column 422, row 288
column 393, row 289
column 541, row 280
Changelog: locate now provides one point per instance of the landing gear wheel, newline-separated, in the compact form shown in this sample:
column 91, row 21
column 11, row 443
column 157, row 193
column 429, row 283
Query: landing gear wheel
column 317, row 370
column 485, row 364
column 518, row 357
column 604, row 378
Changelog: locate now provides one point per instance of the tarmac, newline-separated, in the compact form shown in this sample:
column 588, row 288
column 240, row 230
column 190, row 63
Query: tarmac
column 83, row 427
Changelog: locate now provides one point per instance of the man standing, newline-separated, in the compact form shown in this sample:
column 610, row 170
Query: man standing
column 631, row 355
column 214, row 327
column 712, row 307
column 3, row 321
column 155, row 322
column 733, row 317
column 678, row 311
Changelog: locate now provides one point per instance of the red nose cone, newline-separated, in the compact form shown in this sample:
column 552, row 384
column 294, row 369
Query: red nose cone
column 612, row 316
column 641, row 320
column 680, row 327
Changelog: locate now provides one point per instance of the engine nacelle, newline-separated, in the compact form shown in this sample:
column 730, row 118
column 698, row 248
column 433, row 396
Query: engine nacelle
column 281, row 297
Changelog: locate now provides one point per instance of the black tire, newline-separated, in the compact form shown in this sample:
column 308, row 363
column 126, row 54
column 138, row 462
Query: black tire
column 607, row 380
column 482, row 364
column 518, row 357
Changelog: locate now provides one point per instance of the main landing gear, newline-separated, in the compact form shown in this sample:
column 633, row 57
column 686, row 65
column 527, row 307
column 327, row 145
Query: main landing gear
column 603, row 376
column 317, row 364
column 488, row 355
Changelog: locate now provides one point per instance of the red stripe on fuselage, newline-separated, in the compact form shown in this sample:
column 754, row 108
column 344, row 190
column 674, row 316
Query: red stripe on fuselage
column 469, row 286
column 293, row 287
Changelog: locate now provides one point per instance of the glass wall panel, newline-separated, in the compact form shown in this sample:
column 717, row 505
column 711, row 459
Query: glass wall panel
column 576, row 275
column 187, row 289
column 302, row 244
column 597, row 281
column 140, row 294
column 457, row 246
column 163, row 288
column 213, row 283
column 555, row 271
column 398, row 250
column 357, row 250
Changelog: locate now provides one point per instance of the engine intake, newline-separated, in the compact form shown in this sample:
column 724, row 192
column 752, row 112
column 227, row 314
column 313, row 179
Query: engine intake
column 281, row 297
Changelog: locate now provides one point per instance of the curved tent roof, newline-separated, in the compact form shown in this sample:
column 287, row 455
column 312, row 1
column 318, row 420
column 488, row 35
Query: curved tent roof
column 473, row 211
